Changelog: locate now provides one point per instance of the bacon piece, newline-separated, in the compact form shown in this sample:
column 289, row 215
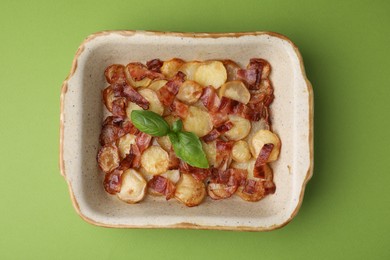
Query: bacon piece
column 257, row 97
column 247, row 112
column 218, row 118
column 210, row 99
column 167, row 93
column 135, row 152
column 259, row 171
column 224, row 154
column 179, row 109
column 270, row 187
column 198, row 173
column 115, row 74
column 117, row 88
column 219, row 109
column 253, row 190
column 119, row 107
column 127, row 162
column 114, row 128
column 154, row 65
column 133, row 96
column 252, row 75
column 113, row 181
column 231, row 176
column 227, row 105
column 174, row 162
column 143, row 141
column 250, row 187
column 139, row 71
column 223, row 184
column 216, row 132
column 163, row 186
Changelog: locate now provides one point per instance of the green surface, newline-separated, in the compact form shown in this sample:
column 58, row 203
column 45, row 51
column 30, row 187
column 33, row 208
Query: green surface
column 346, row 210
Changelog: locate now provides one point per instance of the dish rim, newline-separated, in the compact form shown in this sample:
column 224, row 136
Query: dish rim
column 185, row 225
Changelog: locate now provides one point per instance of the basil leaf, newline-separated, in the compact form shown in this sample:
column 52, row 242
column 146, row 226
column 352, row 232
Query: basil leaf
column 177, row 126
column 188, row 147
column 149, row 122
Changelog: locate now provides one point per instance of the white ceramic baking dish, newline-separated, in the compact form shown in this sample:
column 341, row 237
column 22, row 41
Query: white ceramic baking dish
column 82, row 114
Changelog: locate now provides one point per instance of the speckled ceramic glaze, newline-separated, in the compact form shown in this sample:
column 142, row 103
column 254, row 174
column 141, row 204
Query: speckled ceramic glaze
column 82, row 113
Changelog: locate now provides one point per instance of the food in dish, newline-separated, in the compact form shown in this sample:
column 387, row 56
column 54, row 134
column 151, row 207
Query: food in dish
column 187, row 130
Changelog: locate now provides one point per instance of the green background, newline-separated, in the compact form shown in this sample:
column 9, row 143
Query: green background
column 345, row 47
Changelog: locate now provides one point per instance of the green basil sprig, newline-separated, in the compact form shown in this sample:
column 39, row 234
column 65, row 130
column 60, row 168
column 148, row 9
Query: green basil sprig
column 186, row 145
column 149, row 122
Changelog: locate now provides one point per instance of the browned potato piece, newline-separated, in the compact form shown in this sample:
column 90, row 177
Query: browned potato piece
column 261, row 138
column 198, row 121
column 255, row 127
column 172, row 175
column 124, row 144
column 235, row 90
column 154, row 102
column 140, row 83
column 133, row 187
column 108, row 98
column 231, row 69
column 130, row 107
column 189, row 92
column 240, row 151
column 164, row 142
column 211, row 73
column 155, row 160
column 190, row 191
column 241, row 128
column 157, row 84
column 189, row 69
column 171, row 67
column 108, row 157
column 210, row 149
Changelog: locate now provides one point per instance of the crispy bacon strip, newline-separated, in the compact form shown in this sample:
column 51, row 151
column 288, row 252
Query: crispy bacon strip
column 250, row 186
column 231, row 176
column 210, row 99
column 127, row 162
column 167, row 93
column 163, row 186
column 252, row 75
column 217, row 132
column 198, row 173
column 261, row 160
column 115, row 74
column 224, row 183
column 112, row 181
column 119, row 107
column 179, row 109
column 224, row 154
column 154, row 65
column 270, row 187
column 143, row 141
column 133, row 96
column 135, row 152
column 114, row 128
column 139, row 71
